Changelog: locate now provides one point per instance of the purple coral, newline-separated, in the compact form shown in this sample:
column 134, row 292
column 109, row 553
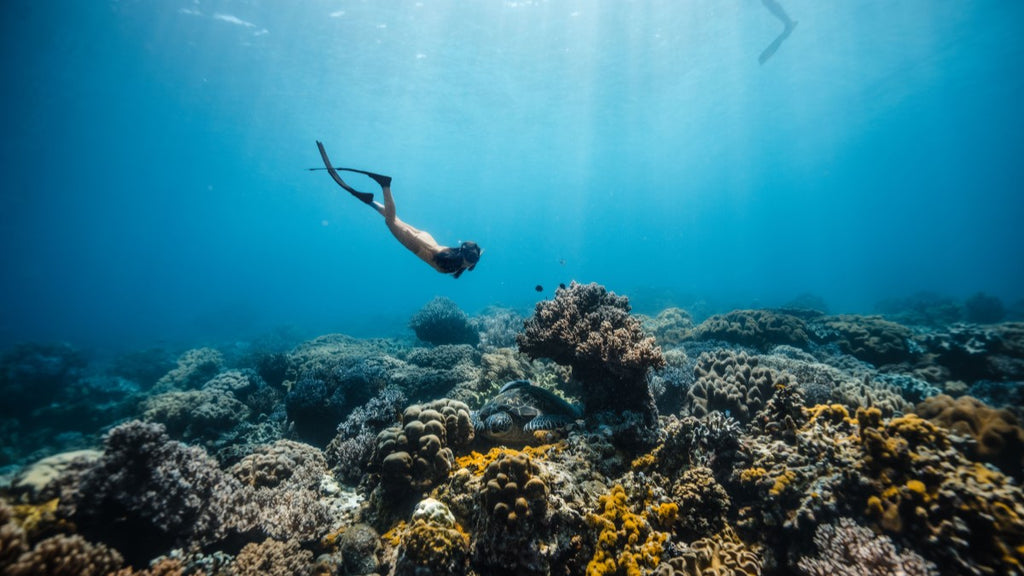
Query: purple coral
column 591, row 329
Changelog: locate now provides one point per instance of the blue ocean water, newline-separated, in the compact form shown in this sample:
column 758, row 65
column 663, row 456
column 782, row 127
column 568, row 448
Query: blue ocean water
column 154, row 158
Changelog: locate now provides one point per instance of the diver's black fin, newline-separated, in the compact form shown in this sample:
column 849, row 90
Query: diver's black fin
column 384, row 181
column 362, row 196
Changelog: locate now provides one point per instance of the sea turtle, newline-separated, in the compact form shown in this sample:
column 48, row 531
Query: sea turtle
column 519, row 410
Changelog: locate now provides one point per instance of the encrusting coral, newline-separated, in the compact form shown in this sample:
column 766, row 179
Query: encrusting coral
column 591, row 330
column 998, row 438
column 761, row 329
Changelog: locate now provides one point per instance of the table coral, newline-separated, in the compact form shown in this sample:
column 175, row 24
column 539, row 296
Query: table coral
column 591, row 329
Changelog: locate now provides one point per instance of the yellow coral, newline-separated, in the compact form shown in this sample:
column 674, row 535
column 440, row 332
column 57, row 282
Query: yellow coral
column 752, row 474
column 784, row 480
column 626, row 543
column 476, row 462
column 35, row 518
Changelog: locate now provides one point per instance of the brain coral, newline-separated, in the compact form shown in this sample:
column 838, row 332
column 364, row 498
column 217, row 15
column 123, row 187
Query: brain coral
column 760, row 329
column 999, row 439
column 721, row 555
column 442, row 322
column 590, row 329
column 731, row 382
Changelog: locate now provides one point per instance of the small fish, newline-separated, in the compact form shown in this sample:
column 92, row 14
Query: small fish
column 538, row 288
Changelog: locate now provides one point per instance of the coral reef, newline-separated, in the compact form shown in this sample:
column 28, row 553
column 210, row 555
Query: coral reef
column 498, row 327
column 590, row 329
column 721, row 555
column 196, row 415
column 761, row 329
column 194, row 368
column 65, row 555
column 416, row 455
column 352, row 447
column 32, row 375
column 846, row 549
column 433, row 544
column 868, row 338
column 733, row 383
column 441, row 321
column 626, row 542
column 285, row 462
column 670, row 328
column 271, row 558
column 981, row 308
column 997, row 437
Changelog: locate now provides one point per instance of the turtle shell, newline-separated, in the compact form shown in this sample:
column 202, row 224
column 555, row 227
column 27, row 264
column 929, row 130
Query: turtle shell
column 520, row 409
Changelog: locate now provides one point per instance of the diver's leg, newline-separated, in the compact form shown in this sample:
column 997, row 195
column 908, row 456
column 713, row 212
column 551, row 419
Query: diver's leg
column 389, row 205
column 378, row 207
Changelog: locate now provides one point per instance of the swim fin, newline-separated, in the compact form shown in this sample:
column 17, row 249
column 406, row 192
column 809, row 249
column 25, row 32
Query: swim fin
column 384, row 181
column 365, row 197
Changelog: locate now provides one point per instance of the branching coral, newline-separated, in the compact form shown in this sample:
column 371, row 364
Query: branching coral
column 846, row 549
column 272, row 558
column 590, row 329
column 285, row 462
column 66, row 555
column 442, row 322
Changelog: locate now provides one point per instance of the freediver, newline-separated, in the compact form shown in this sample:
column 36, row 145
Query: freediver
column 444, row 259
column 788, row 25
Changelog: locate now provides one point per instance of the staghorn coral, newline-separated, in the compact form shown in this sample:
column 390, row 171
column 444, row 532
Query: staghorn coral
column 847, row 549
column 194, row 368
column 626, row 543
column 271, row 558
column 418, row 454
column 868, row 338
column 590, row 329
column 761, row 329
column 721, row 555
column 441, row 321
column 66, row 555
column 998, row 438
column 284, row 462
column 733, row 383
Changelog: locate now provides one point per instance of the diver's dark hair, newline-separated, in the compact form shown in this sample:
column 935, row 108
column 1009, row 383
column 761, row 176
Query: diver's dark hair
column 470, row 251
